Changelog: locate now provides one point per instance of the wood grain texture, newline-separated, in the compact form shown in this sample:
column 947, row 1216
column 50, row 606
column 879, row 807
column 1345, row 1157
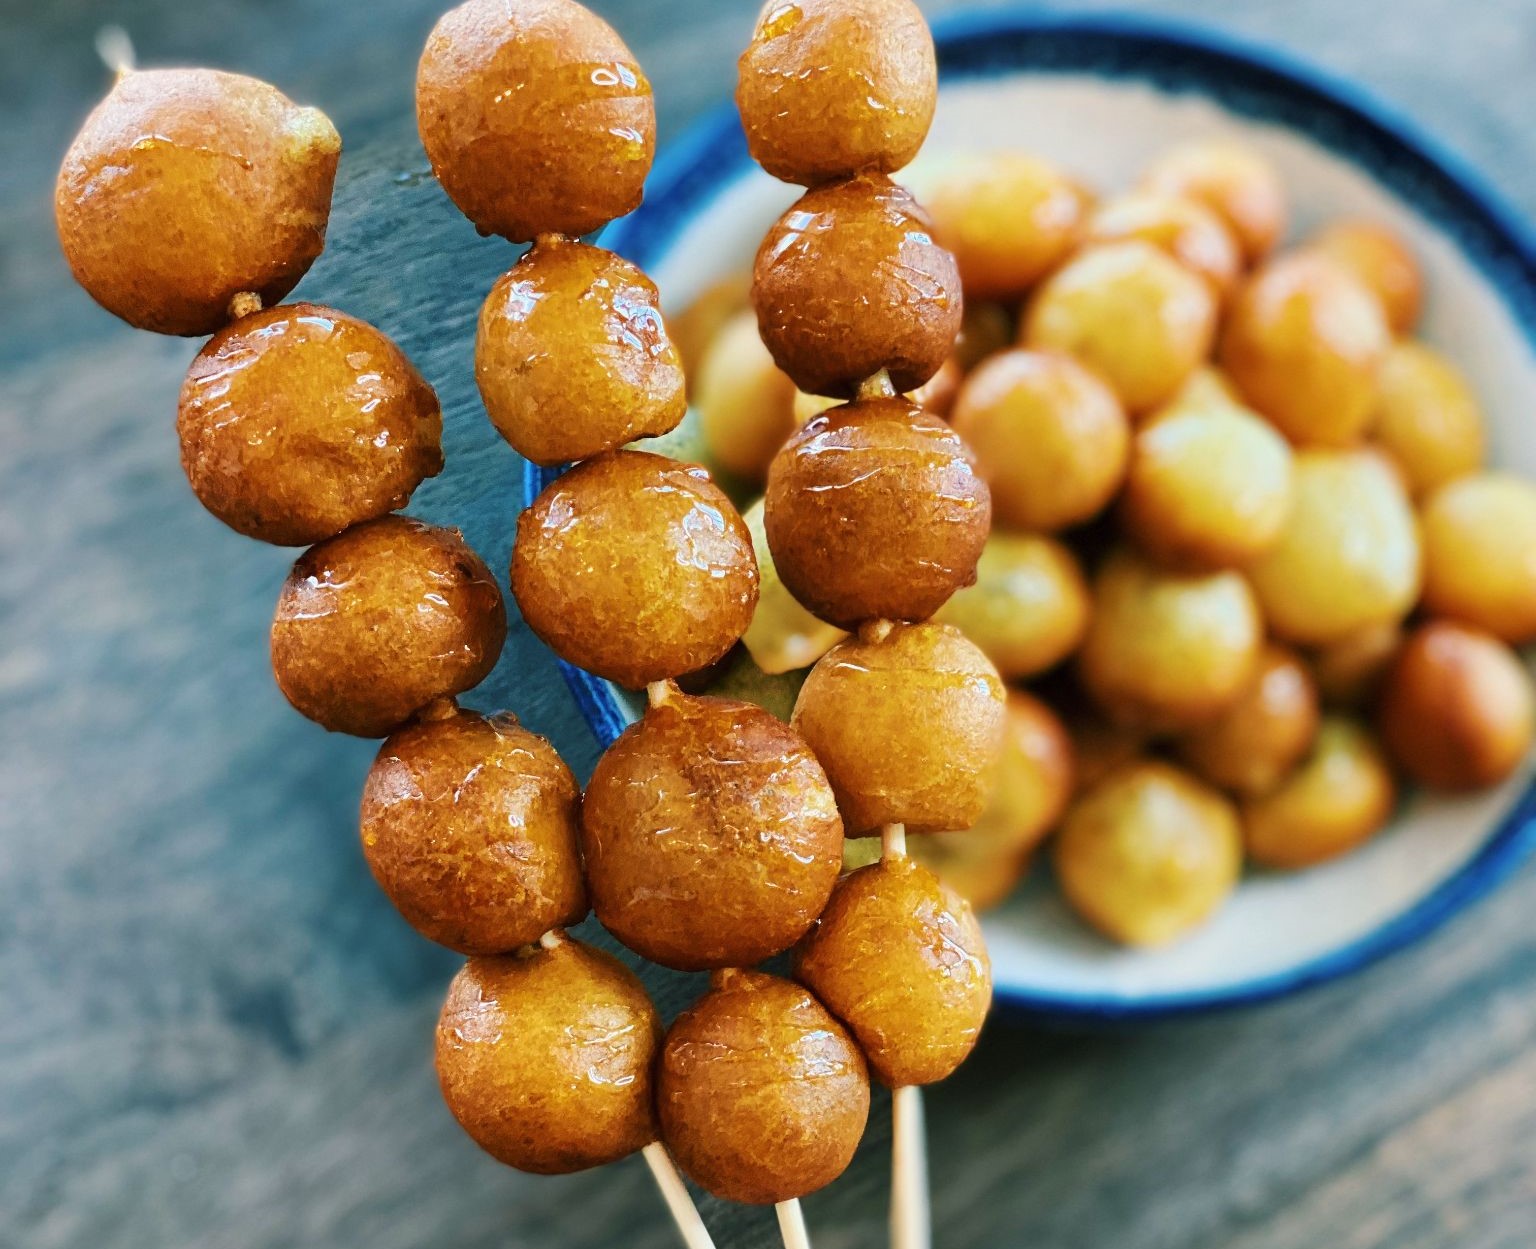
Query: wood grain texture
column 215, row 1032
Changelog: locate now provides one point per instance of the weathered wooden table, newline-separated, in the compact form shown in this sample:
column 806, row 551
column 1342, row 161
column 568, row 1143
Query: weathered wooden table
column 215, row 1032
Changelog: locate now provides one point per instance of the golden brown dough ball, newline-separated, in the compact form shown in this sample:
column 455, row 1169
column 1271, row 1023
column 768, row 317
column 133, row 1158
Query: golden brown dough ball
column 900, row 959
column 635, row 567
column 1339, row 797
column 1239, row 185
column 848, row 282
column 1456, row 708
column 694, row 328
column 1348, row 558
column 1480, row 554
column 1305, row 342
column 829, row 88
column 1349, row 672
column 710, row 834
column 937, row 394
column 186, row 187
column 1207, row 488
column 1184, row 228
column 299, row 421
column 762, row 1095
column 545, row 1057
column 1009, row 219
column 783, row 635
column 1207, row 387
column 873, row 511
column 1130, row 312
column 978, row 867
column 1252, row 745
column 1427, row 417
column 1029, row 607
column 1049, row 436
column 571, row 356
column 746, row 406
column 985, row 327
column 934, row 705
column 535, row 116
column 1167, row 650
column 1383, row 263
column 375, row 623
column 1148, row 854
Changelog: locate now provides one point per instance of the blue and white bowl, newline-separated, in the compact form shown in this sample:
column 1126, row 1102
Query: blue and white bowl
column 1100, row 96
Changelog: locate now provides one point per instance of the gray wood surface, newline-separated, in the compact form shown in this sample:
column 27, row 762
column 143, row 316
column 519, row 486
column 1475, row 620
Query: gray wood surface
column 215, row 1033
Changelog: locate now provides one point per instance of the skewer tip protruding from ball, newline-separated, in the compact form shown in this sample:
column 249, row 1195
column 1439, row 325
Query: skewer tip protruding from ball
column 115, row 49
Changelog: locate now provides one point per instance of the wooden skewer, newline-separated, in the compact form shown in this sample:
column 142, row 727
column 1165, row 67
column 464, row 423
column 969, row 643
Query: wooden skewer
column 115, row 49
column 792, row 1224
column 675, row 1193
column 659, row 693
column 877, row 386
column 911, row 1218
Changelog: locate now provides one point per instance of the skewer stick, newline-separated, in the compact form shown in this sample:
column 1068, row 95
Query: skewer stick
column 675, row 1193
column 877, row 386
column 792, row 1224
column 893, row 841
column 115, row 49
column 911, row 1219
column 659, row 693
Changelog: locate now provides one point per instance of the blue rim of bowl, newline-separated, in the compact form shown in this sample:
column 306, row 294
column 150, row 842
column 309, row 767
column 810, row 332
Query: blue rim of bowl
column 1251, row 81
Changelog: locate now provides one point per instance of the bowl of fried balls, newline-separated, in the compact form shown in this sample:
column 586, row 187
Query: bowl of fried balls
column 1243, row 363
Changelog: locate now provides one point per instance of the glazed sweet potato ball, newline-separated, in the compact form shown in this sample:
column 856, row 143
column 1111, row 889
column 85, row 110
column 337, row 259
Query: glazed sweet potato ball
column 1427, row 417
column 634, row 567
column 1237, row 184
column 375, row 623
column 1383, row 263
column 1348, row 672
column 875, row 511
column 571, row 356
column 710, row 834
column 830, row 88
column 746, row 405
column 535, row 116
column 1184, row 228
column 1148, row 854
column 1349, row 555
column 899, row 957
column 762, row 1094
column 243, row 173
column 469, row 824
column 1456, row 708
column 850, row 281
column 932, row 701
column 299, row 421
column 1305, row 342
column 1480, row 554
column 1049, row 436
column 1130, row 312
column 545, row 1057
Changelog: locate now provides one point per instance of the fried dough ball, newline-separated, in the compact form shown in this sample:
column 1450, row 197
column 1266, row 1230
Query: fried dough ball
column 1208, row 387
column 1382, row 262
column 186, row 187
column 830, row 88
column 933, row 703
column 899, row 957
column 1130, row 312
column 634, row 567
column 1148, row 854
column 300, row 421
column 762, row 1094
column 937, row 394
column 1480, row 554
column 874, row 510
column 1427, row 417
column 783, row 635
column 1348, row 558
column 1237, row 184
column 1029, row 607
column 1049, row 436
column 746, row 406
column 571, row 356
column 1456, row 708
column 1184, row 228
column 710, row 834
column 1252, row 745
column 535, row 116
column 1207, row 488
column 469, row 824
column 1340, row 796
column 1305, row 342
column 1349, row 672
column 545, row 1057
column 375, row 623
column 849, row 282
column 1168, row 650
column 694, row 328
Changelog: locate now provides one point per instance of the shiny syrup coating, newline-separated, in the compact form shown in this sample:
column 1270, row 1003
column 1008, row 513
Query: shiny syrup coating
column 831, row 88
column 635, row 567
column 899, row 957
column 710, row 834
column 242, row 173
column 572, row 358
column 1185, row 228
column 469, row 824
column 375, row 623
column 535, row 116
column 299, row 421
column 874, row 511
column 1239, row 185
column 545, row 1057
column 850, row 281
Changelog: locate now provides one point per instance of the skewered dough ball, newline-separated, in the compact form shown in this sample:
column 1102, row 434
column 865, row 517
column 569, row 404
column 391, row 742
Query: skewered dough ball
column 535, row 116
column 186, row 187
column 1427, row 417
column 1348, row 672
column 1184, row 228
column 299, row 421
column 1240, row 186
column 1382, row 262
column 746, row 406
column 375, row 623
column 1252, row 745
column 1480, row 554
